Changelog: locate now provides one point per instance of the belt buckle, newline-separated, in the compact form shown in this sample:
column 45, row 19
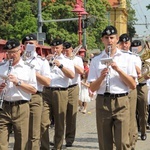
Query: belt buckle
column 106, row 94
column 118, row 95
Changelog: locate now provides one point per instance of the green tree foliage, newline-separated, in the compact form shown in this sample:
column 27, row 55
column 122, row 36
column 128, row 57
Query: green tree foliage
column 69, row 30
column 148, row 7
column 131, row 19
column 19, row 17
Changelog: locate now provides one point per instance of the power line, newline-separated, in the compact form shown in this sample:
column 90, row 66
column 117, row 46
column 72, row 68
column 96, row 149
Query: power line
column 138, row 14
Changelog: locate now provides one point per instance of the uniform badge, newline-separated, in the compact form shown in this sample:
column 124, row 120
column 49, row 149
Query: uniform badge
column 9, row 46
column 124, row 39
column 108, row 32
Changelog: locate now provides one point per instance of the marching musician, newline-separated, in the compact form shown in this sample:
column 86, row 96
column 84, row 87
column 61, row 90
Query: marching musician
column 55, row 96
column 112, row 102
column 41, row 66
column 73, row 93
column 142, row 92
column 21, row 83
column 124, row 45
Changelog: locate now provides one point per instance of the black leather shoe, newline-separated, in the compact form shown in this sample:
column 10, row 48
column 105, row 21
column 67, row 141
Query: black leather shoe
column 69, row 145
column 143, row 137
column 147, row 126
column 51, row 143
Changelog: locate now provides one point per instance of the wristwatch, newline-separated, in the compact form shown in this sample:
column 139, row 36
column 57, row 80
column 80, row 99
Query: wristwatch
column 61, row 66
column 19, row 83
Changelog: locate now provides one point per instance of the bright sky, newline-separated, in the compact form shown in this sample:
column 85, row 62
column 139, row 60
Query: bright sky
column 143, row 16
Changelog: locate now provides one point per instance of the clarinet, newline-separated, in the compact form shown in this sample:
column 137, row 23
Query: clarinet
column 107, row 90
column 4, row 91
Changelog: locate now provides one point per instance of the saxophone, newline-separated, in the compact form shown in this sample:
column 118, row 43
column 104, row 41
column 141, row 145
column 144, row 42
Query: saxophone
column 6, row 80
column 145, row 58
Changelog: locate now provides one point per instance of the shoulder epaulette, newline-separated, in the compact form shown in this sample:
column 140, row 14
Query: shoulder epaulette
column 125, row 51
column 2, row 63
column 98, row 54
column 66, row 57
column 42, row 58
column 129, row 52
column 29, row 64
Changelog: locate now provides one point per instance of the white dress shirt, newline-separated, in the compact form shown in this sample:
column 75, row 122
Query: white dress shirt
column 123, row 61
column 41, row 66
column 24, row 73
column 58, row 79
column 76, row 80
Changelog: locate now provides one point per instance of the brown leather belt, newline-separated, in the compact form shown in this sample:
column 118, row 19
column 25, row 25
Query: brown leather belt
column 15, row 102
column 38, row 92
column 113, row 95
column 57, row 88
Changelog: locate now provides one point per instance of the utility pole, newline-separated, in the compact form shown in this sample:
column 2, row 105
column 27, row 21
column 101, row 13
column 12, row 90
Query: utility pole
column 39, row 17
column 40, row 35
column 84, row 30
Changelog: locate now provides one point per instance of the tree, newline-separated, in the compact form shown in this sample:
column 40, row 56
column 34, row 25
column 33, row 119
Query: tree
column 17, row 19
column 131, row 19
column 69, row 30
column 148, row 7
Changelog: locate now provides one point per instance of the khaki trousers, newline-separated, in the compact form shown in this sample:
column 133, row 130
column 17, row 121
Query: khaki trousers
column 133, row 136
column 36, row 106
column 55, row 100
column 142, row 107
column 73, row 96
column 45, row 122
column 112, row 116
column 16, row 116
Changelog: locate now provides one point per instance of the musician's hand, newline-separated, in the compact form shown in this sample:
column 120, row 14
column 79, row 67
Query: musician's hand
column 2, row 86
column 146, row 77
column 48, row 57
column 57, row 63
column 114, row 66
column 104, row 72
column 139, row 75
column 13, row 78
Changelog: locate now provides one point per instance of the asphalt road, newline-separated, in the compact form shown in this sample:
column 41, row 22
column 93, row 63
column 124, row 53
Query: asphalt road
column 86, row 135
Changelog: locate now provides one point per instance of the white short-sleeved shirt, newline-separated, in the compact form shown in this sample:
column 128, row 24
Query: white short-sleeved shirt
column 136, row 59
column 41, row 66
column 58, row 79
column 148, row 86
column 76, row 80
column 123, row 61
column 24, row 73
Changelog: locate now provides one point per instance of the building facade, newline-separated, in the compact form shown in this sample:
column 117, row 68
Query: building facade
column 117, row 15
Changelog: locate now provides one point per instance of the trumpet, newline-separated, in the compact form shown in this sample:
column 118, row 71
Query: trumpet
column 51, row 61
column 6, row 80
column 75, row 51
column 107, row 90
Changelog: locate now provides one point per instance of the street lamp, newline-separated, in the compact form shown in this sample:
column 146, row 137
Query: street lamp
column 79, row 10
